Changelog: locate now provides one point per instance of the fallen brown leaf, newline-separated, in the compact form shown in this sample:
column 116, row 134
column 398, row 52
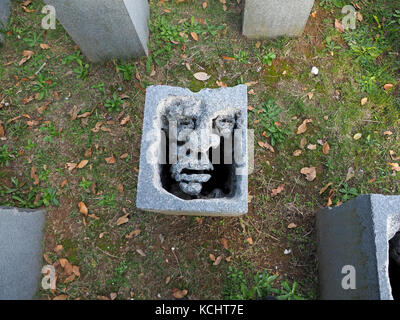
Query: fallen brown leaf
column 225, row 243
column 34, row 175
column 326, row 148
column 309, row 172
column 217, row 261
column 325, row 188
column 303, row 127
column 179, row 294
column 339, row 27
column 122, row 220
column 277, row 191
column 82, row 164
column 201, row 76
column 82, row 208
column 110, row 160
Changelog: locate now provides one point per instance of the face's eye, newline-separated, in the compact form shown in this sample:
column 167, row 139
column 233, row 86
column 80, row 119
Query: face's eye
column 186, row 123
column 225, row 123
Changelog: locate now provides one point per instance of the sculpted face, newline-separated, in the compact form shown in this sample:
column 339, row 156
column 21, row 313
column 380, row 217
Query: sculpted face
column 192, row 133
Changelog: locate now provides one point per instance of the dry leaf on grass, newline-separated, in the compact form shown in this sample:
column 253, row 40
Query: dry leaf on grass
column 395, row 166
column 277, row 190
column 350, row 174
column 303, row 127
column 325, row 188
column 266, row 146
column 312, row 147
column 122, row 220
column 201, row 76
column 392, row 155
column 125, row 120
column 357, row 136
column 82, row 208
column 34, row 175
column 225, row 243
column 132, row 234
column 82, row 164
column 364, row 101
column 296, row 153
column 179, row 294
column 194, row 36
column 110, row 160
column 44, row 46
column 309, row 172
column 2, row 132
column 292, row 225
column 217, row 261
column 388, row 86
column 326, row 148
column 70, row 166
column 339, row 27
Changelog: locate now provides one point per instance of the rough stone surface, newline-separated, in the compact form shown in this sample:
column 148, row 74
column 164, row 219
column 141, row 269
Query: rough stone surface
column 161, row 102
column 4, row 16
column 274, row 18
column 106, row 29
column 357, row 234
column 21, row 233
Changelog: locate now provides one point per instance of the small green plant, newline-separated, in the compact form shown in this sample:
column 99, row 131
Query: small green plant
column 100, row 87
column 51, row 132
column 126, row 69
column 367, row 83
column 43, row 85
column 329, row 4
column 114, row 103
column 29, row 145
column 330, row 45
column 238, row 288
column 5, row 156
column 269, row 120
column 49, row 197
column 108, row 200
column 289, row 292
column 85, row 184
column 33, row 38
column 242, row 57
column 268, row 58
column 82, row 69
column 348, row 192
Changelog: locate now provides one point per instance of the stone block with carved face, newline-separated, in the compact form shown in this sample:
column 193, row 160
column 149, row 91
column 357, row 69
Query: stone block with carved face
column 194, row 151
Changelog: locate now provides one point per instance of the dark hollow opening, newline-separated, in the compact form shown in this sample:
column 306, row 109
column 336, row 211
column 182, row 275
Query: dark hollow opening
column 222, row 182
column 394, row 265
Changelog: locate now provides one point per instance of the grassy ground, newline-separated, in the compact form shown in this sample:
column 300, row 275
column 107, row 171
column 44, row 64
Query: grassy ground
column 74, row 110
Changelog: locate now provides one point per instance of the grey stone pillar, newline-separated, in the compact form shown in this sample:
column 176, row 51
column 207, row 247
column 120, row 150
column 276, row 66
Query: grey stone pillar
column 356, row 234
column 105, row 29
column 21, row 235
column 274, row 18
column 4, row 15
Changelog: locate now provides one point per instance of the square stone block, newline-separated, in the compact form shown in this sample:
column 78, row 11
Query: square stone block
column 4, row 17
column 106, row 29
column 194, row 157
column 21, row 235
column 357, row 234
column 274, row 18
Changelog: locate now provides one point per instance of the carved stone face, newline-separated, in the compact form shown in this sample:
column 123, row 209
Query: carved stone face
column 193, row 131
